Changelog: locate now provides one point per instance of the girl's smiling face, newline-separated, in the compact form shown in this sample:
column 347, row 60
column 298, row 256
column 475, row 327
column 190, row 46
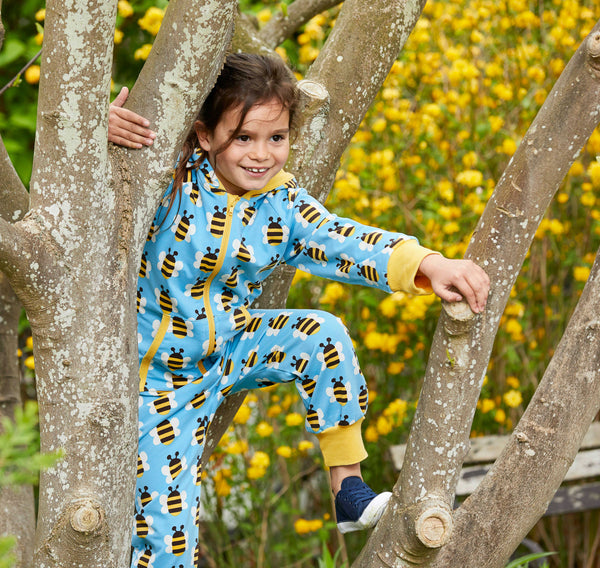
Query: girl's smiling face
column 256, row 154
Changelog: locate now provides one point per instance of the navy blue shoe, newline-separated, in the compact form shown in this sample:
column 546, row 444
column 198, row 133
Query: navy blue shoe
column 357, row 506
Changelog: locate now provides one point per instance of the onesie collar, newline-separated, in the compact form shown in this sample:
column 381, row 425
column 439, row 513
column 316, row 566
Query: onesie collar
column 278, row 181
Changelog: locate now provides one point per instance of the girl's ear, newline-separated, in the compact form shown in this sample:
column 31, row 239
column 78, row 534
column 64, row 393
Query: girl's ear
column 203, row 135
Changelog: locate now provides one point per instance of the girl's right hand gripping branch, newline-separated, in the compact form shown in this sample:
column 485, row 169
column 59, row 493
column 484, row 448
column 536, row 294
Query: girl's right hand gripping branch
column 456, row 279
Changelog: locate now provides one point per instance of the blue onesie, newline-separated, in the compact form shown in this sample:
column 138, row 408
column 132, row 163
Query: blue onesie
column 200, row 339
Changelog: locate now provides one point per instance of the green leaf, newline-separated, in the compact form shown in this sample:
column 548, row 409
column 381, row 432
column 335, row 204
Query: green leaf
column 12, row 50
column 524, row 560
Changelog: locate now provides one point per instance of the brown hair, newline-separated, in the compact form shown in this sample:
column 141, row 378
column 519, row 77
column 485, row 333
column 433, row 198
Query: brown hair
column 245, row 80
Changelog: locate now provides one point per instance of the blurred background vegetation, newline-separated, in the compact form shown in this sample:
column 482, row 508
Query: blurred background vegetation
column 451, row 113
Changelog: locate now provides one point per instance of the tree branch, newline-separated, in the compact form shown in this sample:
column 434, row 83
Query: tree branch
column 542, row 447
column 14, row 199
column 459, row 356
column 185, row 60
column 280, row 27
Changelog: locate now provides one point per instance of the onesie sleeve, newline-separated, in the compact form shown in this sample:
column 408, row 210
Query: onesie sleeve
column 342, row 249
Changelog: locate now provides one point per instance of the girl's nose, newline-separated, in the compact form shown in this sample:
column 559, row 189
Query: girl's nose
column 259, row 151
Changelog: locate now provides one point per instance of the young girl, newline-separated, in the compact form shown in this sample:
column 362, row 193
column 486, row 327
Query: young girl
column 230, row 215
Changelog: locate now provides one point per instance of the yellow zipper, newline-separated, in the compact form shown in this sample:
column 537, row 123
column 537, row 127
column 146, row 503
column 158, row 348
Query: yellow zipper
column 160, row 335
column 231, row 201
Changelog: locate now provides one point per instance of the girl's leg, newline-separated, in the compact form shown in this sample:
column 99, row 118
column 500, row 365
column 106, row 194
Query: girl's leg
column 338, row 473
column 172, row 428
column 315, row 350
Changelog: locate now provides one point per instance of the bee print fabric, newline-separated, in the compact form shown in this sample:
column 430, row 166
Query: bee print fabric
column 200, row 339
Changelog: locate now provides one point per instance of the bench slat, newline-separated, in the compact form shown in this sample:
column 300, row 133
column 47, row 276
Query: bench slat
column 488, row 448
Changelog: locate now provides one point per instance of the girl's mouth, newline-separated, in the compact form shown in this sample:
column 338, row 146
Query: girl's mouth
column 257, row 171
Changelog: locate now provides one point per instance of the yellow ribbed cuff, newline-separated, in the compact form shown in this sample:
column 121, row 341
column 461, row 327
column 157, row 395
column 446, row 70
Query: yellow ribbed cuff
column 342, row 445
column 403, row 268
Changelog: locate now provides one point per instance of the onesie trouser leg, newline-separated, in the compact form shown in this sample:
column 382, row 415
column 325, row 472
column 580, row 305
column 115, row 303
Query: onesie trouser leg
column 311, row 348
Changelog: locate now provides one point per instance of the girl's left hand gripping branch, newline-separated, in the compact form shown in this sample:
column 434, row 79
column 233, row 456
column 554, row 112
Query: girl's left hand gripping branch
column 455, row 279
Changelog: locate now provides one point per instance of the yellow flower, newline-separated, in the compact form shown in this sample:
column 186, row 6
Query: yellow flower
column 384, row 426
column 242, row 415
column 445, row 190
column 124, row 8
column 451, row 228
column 580, row 273
column 294, row 419
column 333, row 291
column 503, row 92
column 470, row 178
column 32, row 74
column 301, row 526
column 379, row 125
column 588, row 199
column 371, row 434
column 304, row 526
column 594, row 173
column 512, row 398
column 152, row 20
column 508, row 146
column 222, row 487
column 389, row 306
column 29, row 363
column 263, row 429
column 39, row 38
column 273, row 411
column 255, row 472
column 264, row 16
column 238, row 447
column 284, row 451
column 496, row 122
column 557, row 66
column 500, row 416
column 260, row 459
column 305, row 446
column 487, row 404
column 513, row 382
column 118, row 37
column 143, row 52
column 396, row 367
column 40, row 15
column 514, row 329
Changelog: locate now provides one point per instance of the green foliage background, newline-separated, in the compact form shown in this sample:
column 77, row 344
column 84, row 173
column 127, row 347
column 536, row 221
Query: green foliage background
column 453, row 110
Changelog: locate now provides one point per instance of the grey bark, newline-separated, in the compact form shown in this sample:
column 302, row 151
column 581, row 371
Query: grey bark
column 281, row 27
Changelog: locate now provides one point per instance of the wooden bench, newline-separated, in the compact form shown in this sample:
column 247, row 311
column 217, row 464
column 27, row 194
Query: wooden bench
column 578, row 492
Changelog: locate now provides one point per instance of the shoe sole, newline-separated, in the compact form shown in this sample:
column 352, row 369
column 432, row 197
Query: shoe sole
column 370, row 515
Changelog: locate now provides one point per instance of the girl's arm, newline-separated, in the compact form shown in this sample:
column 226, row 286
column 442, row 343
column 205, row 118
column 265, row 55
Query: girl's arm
column 125, row 127
column 455, row 279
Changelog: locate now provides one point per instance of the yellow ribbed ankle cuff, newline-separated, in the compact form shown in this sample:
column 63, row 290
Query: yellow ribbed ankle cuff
column 342, row 445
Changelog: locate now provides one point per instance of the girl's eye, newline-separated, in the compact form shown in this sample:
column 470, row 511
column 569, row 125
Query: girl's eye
column 243, row 138
column 278, row 137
